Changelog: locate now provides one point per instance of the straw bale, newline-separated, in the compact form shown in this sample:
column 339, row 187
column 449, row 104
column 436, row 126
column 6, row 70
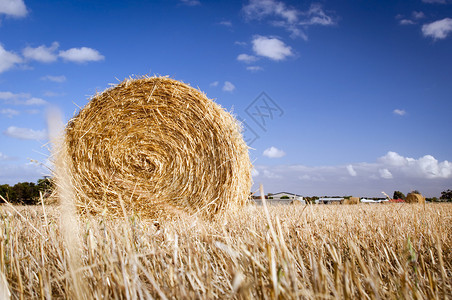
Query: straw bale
column 156, row 146
column 414, row 198
column 351, row 200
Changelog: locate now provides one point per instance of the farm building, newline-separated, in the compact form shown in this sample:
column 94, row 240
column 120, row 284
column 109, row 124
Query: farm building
column 333, row 200
column 284, row 195
column 280, row 198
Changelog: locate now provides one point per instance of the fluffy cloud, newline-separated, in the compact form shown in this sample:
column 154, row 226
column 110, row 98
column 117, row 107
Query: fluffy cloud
column 254, row 68
column 14, row 8
column 26, row 133
column 246, row 58
column 60, row 78
column 11, row 173
column 42, row 53
column 399, row 112
column 439, row 29
column 406, row 22
column 418, row 15
column 254, row 172
column 21, row 99
column 424, row 167
column 435, row 1
column 316, row 16
column 46, row 54
column 226, row 23
column 9, row 112
column 81, row 55
column 351, row 170
column 280, row 15
column 228, row 86
column 3, row 156
column 258, row 9
column 8, row 59
column 271, row 48
column 388, row 173
column 273, row 152
column 385, row 173
column 191, row 2
column 215, row 83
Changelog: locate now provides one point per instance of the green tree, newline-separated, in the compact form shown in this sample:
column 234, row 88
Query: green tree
column 446, row 195
column 26, row 192
column 398, row 195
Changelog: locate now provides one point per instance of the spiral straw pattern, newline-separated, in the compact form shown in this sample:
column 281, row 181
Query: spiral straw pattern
column 155, row 145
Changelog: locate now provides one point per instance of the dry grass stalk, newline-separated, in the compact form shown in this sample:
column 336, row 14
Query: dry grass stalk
column 161, row 146
column 349, row 252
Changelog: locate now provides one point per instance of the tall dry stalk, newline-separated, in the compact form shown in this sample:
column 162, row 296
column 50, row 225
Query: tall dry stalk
column 69, row 222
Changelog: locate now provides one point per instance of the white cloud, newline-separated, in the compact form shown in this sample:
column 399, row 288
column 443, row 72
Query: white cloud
column 271, row 48
column 435, row 1
column 254, row 68
column 385, row 173
column 351, row 171
column 423, row 167
column 21, row 99
column 35, row 101
column 439, row 29
column 280, row 15
column 271, row 175
column 254, row 172
column 60, row 78
column 400, row 112
column 191, row 2
column 80, row 55
column 226, row 23
column 9, row 112
column 215, row 83
column 8, row 59
column 258, row 9
column 406, row 22
column 388, row 173
column 418, row 15
column 240, row 43
column 25, row 133
column 11, row 173
column 316, row 16
column 3, row 156
column 274, row 152
column 42, row 53
column 246, row 58
column 228, row 87
column 14, row 8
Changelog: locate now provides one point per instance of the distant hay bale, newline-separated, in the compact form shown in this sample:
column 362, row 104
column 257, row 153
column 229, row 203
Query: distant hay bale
column 351, row 200
column 414, row 198
column 296, row 202
column 156, row 146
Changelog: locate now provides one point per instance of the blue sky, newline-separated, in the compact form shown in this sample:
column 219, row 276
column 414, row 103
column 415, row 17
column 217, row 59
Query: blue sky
column 337, row 97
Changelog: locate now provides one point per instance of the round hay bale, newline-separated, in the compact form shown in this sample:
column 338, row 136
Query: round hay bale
column 351, row 200
column 414, row 198
column 296, row 202
column 156, row 146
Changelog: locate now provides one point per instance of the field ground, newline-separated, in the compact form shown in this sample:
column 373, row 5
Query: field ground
column 392, row 251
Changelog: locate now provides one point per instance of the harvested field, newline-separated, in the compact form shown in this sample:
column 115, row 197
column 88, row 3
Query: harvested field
column 392, row 251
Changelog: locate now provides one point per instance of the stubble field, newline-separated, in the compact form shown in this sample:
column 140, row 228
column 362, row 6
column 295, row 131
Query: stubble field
column 391, row 251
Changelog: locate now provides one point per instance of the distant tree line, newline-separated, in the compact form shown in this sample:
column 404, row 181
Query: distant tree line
column 446, row 196
column 26, row 192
